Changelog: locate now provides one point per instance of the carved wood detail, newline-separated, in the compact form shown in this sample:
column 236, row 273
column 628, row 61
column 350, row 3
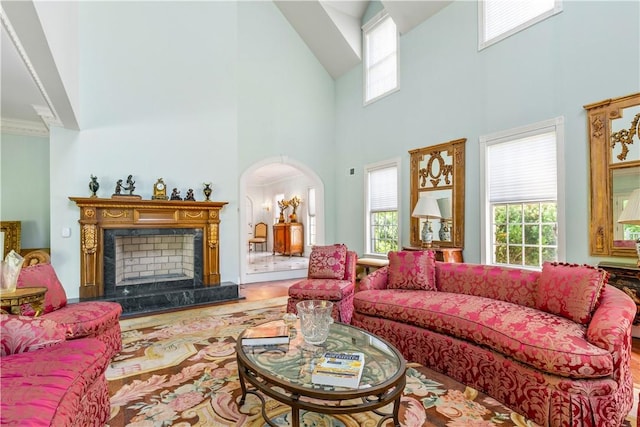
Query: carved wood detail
column 99, row 214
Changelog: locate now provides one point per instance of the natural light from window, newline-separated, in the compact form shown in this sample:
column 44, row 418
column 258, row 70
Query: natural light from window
column 380, row 40
column 383, row 229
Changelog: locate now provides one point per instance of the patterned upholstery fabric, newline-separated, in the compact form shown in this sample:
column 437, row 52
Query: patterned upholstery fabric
column 340, row 291
column 327, row 262
column 544, row 341
column 412, row 270
column 570, row 290
column 515, row 285
column 63, row 385
column 44, row 275
column 86, row 319
column 20, row 334
column 506, row 347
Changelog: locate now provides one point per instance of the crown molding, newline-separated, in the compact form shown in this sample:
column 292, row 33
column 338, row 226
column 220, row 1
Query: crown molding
column 23, row 128
column 52, row 117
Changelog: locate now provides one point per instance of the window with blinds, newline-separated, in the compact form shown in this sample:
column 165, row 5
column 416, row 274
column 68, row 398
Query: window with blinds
column 382, row 208
column 311, row 216
column 522, row 184
column 380, row 42
column 498, row 19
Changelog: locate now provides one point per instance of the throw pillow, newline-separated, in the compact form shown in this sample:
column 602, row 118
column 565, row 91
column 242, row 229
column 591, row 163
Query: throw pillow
column 44, row 275
column 412, row 270
column 328, row 262
column 570, row 290
column 19, row 334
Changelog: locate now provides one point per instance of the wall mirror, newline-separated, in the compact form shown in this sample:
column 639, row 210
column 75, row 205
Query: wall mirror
column 437, row 172
column 614, row 141
column 9, row 237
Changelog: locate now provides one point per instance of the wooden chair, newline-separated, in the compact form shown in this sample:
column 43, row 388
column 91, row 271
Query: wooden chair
column 259, row 236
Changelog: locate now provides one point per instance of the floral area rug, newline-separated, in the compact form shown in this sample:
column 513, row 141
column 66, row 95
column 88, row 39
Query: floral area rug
column 179, row 369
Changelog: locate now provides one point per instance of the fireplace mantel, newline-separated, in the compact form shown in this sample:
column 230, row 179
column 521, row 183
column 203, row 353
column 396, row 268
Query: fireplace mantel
column 97, row 214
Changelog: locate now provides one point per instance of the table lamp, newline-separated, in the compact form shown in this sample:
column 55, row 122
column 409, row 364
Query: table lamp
column 631, row 215
column 445, row 210
column 427, row 208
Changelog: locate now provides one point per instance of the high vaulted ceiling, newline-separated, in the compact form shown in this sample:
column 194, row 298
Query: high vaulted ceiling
column 331, row 29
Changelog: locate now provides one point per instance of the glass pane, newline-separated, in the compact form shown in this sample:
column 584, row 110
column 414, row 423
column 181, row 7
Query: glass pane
column 515, row 213
column 515, row 255
column 549, row 234
column 500, row 254
column 549, row 212
column 531, row 256
column 500, row 214
column 501, row 234
column 531, row 234
column 549, row 254
column 531, row 212
column 515, row 233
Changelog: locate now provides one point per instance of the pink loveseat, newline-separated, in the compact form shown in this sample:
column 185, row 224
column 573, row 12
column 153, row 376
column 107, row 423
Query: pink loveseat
column 553, row 345
column 46, row 380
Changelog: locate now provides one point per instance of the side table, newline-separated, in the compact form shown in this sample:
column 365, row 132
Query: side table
column 442, row 254
column 627, row 278
column 12, row 301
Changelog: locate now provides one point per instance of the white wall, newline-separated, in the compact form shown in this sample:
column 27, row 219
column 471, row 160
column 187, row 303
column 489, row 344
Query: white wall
column 449, row 90
column 24, row 184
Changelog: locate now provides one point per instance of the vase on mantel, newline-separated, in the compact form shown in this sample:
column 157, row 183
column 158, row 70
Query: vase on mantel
column 207, row 191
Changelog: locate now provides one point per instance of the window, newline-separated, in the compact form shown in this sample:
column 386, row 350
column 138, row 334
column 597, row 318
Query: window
column 498, row 19
column 311, row 216
column 523, row 186
column 380, row 42
column 382, row 231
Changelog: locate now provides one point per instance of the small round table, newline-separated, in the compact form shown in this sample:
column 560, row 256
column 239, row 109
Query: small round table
column 284, row 374
column 12, row 301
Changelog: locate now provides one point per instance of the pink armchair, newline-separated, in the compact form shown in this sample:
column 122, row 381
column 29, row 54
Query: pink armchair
column 88, row 319
column 331, row 277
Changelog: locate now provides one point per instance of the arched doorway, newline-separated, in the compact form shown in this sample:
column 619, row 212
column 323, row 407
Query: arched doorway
column 259, row 185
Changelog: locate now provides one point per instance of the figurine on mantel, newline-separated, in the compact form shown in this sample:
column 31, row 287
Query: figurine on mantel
column 130, row 187
column 118, row 189
column 190, row 196
column 175, row 194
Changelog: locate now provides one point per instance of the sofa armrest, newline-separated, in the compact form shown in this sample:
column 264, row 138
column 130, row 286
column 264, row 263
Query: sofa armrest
column 376, row 280
column 20, row 334
column 610, row 326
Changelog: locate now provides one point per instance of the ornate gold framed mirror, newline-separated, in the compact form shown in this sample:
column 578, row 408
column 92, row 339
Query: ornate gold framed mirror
column 9, row 237
column 437, row 174
column 614, row 142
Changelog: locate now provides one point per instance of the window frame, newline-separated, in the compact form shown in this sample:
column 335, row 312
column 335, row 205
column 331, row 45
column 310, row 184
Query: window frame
column 395, row 162
column 312, row 226
column 555, row 125
column 367, row 28
column 482, row 43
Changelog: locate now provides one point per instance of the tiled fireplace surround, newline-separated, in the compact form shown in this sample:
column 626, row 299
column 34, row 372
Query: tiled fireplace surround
column 151, row 255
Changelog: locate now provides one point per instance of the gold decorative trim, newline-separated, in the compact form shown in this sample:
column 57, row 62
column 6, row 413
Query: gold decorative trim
column 193, row 215
column 107, row 214
column 89, row 239
column 625, row 137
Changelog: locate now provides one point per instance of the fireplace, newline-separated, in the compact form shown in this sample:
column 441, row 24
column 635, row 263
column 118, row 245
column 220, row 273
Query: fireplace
column 151, row 254
column 149, row 260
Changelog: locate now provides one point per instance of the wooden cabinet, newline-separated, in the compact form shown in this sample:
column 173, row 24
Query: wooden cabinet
column 442, row 254
column 288, row 238
column 627, row 278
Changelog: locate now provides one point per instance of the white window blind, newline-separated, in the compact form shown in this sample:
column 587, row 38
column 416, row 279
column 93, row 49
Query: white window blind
column 383, row 189
column 381, row 58
column 523, row 170
column 311, row 206
column 501, row 18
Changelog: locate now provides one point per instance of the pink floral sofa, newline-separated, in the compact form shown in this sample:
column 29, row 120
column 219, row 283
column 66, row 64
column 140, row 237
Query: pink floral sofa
column 46, row 380
column 86, row 319
column 553, row 345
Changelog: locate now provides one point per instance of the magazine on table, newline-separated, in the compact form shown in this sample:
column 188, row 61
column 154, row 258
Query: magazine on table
column 339, row 369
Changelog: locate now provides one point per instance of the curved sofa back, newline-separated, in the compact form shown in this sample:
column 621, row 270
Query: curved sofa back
column 515, row 285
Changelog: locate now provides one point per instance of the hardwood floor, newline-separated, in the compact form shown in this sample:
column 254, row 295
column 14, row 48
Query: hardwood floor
column 265, row 290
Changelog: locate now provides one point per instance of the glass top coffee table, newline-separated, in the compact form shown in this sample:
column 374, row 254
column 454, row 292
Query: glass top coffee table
column 284, row 374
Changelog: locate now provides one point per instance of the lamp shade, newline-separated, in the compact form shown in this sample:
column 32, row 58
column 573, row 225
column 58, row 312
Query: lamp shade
column 631, row 212
column 426, row 207
column 445, row 207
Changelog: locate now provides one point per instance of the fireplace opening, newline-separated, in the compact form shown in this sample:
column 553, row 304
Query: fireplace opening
column 145, row 261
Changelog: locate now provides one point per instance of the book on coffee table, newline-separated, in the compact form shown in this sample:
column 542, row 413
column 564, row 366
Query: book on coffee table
column 266, row 335
column 339, row 369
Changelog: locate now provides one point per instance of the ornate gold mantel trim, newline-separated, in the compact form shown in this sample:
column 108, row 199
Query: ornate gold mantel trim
column 98, row 214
